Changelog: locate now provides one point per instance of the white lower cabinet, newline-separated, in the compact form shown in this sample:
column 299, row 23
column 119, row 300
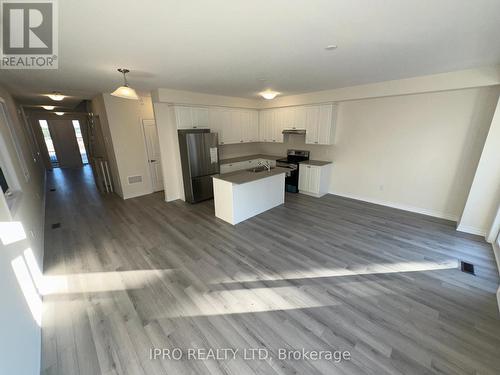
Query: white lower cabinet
column 226, row 168
column 314, row 179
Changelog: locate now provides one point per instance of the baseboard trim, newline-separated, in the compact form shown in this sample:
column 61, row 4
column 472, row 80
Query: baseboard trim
column 471, row 230
column 311, row 194
column 418, row 210
column 44, row 205
column 496, row 252
column 135, row 195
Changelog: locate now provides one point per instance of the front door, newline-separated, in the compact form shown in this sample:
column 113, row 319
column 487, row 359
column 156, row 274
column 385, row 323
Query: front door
column 153, row 153
column 65, row 143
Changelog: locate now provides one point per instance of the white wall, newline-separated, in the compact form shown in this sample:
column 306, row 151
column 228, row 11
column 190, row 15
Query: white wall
column 484, row 196
column 196, row 98
column 298, row 142
column 20, row 337
column 99, row 109
column 169, row 150
column 417, row 152
column 124, row 119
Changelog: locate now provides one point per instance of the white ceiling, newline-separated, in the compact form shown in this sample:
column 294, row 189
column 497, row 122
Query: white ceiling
column 229, row 47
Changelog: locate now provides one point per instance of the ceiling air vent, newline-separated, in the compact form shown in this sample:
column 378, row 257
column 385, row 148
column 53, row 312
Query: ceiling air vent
column 134, row 179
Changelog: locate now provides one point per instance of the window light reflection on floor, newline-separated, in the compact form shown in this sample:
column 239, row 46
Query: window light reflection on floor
column 244, row 299
column 369, row 269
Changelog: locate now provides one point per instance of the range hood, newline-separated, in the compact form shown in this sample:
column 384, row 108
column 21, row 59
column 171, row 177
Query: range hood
column 294, row 131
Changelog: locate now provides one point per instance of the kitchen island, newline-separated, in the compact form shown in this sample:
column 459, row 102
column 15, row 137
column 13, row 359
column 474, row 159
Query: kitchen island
column 242, row 194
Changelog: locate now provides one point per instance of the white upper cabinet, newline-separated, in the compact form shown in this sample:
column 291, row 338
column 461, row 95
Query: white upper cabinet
column 294, row 117
column 238, row 125
column 234, row 125
column 266, row 125
column 254, row 127
column 271, row 125
column 312, row 119
column 191, row 117
column 321, row 122
column 318, row 121
column 299, row 118
column 327, row 124
column 183, row 117
column 200, row 117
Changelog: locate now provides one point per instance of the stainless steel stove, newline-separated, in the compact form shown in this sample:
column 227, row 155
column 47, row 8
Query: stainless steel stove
column 292, row 160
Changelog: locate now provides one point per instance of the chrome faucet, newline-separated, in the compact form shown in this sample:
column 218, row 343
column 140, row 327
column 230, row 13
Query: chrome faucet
column 266, row 164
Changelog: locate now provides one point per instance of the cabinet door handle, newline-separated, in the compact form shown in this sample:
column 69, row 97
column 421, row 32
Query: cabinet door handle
column 316, row 142
column 194, row 127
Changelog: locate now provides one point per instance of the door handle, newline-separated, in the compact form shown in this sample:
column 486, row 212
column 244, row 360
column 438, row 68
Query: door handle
column 152, row 161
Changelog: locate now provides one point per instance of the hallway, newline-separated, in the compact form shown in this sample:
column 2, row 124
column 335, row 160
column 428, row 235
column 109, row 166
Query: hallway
column 123, row 277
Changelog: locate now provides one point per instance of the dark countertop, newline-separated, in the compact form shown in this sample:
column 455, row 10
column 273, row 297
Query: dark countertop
column 318, row 163
column 244, row 176
column 250, row 157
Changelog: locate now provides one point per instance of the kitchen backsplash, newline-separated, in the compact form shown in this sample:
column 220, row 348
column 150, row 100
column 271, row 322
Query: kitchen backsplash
column 291, row 141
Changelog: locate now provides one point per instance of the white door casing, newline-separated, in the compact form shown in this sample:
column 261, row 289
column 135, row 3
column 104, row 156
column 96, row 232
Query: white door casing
column 153, row 153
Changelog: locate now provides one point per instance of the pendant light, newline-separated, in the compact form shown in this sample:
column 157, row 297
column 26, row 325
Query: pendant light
column 125, row 91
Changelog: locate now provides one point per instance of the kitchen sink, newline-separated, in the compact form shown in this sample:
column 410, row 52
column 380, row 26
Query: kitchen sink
column 258, row 169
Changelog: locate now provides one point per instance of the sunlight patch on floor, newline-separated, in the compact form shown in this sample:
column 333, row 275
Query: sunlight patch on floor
column 372, row 269
column 11, row 232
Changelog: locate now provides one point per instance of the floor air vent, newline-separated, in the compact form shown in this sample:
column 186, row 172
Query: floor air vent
column 467, row 267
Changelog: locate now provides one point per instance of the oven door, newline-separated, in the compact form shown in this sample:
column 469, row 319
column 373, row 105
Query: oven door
column 291, row 177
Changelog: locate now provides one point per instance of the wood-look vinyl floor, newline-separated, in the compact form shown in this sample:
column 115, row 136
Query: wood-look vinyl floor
column 123, row 277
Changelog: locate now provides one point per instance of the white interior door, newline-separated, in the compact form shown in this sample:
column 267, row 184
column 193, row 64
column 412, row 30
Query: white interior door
column 153, row 151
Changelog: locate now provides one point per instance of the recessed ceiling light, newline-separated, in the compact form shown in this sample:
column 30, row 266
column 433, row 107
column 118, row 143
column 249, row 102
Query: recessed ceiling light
column 48, row 107
column 57, row 96
column 331, row 47
column 59, row 113
column 269, row 95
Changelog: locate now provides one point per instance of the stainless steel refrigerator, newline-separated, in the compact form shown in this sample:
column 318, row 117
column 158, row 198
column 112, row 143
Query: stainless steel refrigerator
column 200, row 161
